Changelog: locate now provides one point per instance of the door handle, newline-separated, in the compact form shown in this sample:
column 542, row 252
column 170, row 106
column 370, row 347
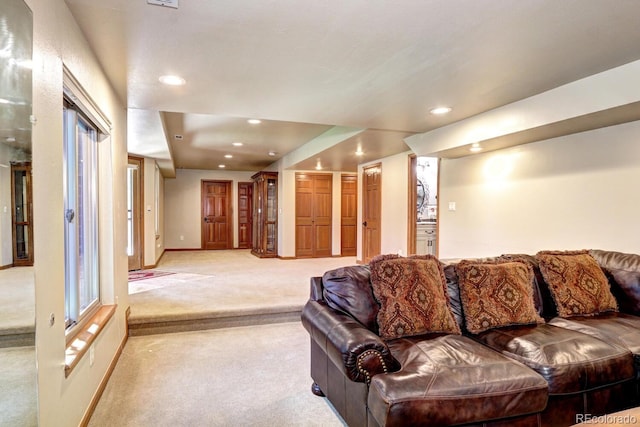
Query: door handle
column 364, row 223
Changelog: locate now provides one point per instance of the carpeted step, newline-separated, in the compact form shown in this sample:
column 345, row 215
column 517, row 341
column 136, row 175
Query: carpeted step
column 18, row 337
column 162, row 324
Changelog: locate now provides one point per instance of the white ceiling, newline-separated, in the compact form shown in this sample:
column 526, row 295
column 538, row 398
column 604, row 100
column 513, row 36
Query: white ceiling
column 304, row 67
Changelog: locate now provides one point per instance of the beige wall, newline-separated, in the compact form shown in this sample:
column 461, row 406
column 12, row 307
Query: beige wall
column 58, row 40
column 573, row 192
column 182, row 206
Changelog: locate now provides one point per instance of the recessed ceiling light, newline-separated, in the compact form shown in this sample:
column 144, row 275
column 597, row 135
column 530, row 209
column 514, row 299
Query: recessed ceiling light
column 237, row 144
column 222, row 166
column 440, row 110
column 172, row 80
column 228, row 156
column 271, row 153
column 475, row 147
column 254, row 121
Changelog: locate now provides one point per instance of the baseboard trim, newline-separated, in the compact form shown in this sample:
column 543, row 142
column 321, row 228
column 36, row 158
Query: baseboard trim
column 183, row 249
column 4, row 267
column 332, row 256
column 103, row 384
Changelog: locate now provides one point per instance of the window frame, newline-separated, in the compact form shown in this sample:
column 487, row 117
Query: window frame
column 81, row 216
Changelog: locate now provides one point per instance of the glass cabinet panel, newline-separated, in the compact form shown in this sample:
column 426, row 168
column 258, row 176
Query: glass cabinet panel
column 265, row 214
column 21, row 213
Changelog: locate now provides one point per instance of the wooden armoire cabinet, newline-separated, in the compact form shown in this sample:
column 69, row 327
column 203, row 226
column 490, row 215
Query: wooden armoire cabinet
column 265, row 214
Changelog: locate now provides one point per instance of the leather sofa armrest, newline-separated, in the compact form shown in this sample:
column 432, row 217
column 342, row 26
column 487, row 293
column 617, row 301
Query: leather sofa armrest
column 316, row 289
column 356, row 350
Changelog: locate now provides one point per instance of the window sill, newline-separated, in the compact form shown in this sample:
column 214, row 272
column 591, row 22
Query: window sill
column 80, row 343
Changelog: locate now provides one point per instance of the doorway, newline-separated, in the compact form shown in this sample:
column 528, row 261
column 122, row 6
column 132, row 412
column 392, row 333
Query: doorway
column 371, row 209
column 348, row 214
column 423, row 205
column 216, row 215
column 135, row 176
column 313, row 215
column 245, row 214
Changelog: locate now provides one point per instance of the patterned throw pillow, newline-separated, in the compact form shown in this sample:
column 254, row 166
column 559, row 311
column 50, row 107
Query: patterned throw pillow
column 496, row 294
column 576, row 282
column 412, row 296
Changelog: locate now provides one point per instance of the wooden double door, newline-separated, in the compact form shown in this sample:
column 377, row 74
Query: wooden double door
column 313, row 215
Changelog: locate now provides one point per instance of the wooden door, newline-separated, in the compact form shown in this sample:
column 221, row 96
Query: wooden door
column 371, row 208
column 349, row 214
column 245, row 214
column 313, row 215
column 135, row 176
column 216, row 215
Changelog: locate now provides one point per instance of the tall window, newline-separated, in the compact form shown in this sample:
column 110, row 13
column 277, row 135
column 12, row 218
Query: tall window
column 82, row 288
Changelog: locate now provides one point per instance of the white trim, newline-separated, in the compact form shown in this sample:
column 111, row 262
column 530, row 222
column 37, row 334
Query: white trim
column 76, row 93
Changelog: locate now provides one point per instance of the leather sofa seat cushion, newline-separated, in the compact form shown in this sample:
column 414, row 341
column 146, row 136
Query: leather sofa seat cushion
column 618, row 328
column 570, row 361
column 450, row 380
column 348, row 289
column 623, row 272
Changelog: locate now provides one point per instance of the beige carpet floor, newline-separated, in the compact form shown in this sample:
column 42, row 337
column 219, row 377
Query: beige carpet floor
column 255, row 375
column 224, row 283
column 18, row 390
column 17, row 299
column 246, row 376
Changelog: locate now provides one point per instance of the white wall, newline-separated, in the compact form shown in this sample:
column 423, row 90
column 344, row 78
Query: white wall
column 153, row 247
column 182, row 206
column 573, row 192
column 6, row 236
column 160, row 242
column 58, row 40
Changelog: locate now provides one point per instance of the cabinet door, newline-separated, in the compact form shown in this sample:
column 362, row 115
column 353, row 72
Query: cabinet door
column 265, row 214
column 271, row 216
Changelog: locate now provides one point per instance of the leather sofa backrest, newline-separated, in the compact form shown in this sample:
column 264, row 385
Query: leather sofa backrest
column 348, row 289
column 623, row 272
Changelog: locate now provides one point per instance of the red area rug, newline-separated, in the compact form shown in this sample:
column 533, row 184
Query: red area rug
column 147, row 274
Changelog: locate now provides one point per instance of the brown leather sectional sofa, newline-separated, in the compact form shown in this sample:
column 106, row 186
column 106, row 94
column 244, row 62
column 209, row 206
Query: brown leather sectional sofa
column 540, row 374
